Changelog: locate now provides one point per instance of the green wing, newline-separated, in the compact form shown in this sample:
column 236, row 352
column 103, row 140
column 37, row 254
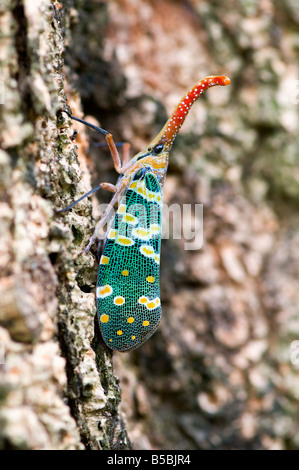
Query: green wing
column 128, row 290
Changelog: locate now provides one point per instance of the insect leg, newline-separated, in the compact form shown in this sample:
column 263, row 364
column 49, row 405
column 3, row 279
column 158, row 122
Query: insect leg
column 111, row 144
column 107, row 186
column 119, row 189
column 126, row 154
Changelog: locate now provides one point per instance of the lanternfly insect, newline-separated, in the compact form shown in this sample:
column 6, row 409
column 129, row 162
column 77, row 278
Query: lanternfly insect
column 128, row 290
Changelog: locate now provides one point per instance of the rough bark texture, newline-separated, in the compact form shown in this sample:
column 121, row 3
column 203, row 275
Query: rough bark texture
column 217, row 374
column 57, row 385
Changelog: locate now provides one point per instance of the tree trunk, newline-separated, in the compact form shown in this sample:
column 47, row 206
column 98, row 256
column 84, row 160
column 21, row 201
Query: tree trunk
column 58, row 390
column 221, row 371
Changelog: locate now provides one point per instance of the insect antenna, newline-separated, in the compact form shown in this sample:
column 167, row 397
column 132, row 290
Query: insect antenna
column 107, row 186
column 92, row 126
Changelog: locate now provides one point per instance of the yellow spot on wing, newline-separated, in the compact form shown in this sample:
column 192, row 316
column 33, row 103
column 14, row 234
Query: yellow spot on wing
column 122, row 209
column 130, row 320
column 145, row 323
column 141, row 233
column 143, row 300
column 104, row 318
column 151, row 304
column 130, row 219
column 139, row 187
column 119, row 300
column 150, row 279
column 147, row 250
column 104, row 260
column 141, row 190
column 125, row 272
column 112, row 234
column 119, row 332
column 157, row 258
column 155, row 229
column 104, row 291
column 125, row 241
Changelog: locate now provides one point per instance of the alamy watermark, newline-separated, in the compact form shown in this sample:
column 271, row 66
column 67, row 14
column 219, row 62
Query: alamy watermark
column 178, row 222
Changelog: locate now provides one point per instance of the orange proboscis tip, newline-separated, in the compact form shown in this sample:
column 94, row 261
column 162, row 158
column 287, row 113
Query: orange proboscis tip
column 221, row 79
column 172, row 126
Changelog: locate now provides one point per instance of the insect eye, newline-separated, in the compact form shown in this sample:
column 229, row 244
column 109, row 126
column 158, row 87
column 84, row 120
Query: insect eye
column 158, row 148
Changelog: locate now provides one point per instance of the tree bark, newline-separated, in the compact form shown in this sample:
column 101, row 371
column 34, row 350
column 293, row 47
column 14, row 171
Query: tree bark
column 58, row 390
column 217, row 374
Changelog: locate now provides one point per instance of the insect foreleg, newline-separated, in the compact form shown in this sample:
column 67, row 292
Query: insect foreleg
column 118, row 191
column 107, row 186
